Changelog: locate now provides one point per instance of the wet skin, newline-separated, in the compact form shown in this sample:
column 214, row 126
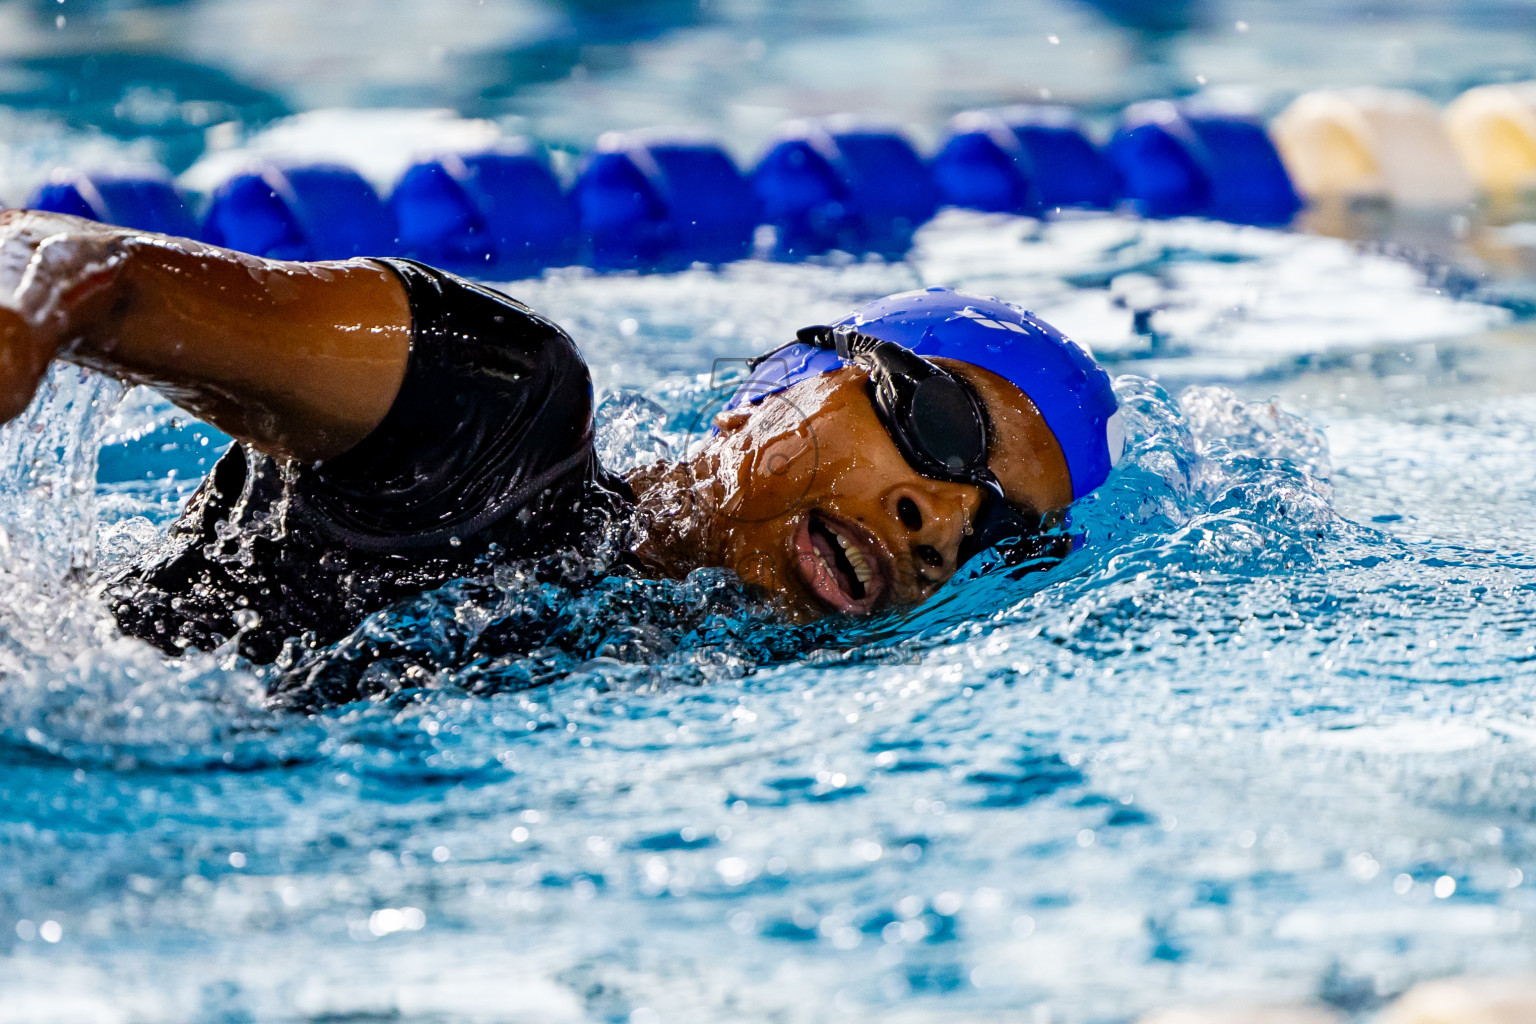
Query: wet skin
column 299, row 360
column 804, row 494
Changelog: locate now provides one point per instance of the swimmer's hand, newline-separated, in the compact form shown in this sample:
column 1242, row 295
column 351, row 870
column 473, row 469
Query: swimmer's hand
column 299, row 360
column 51, row 280
column 24, row 358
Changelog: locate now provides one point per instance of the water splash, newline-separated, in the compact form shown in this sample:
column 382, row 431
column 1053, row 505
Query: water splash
column 630, row 431
column 1233, row 717
column 1213, row 488
column 48, row 482
column 70, row 686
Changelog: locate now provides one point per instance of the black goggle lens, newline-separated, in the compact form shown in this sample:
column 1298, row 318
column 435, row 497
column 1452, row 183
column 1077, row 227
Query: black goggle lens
column 944, row 424
column 936, row 420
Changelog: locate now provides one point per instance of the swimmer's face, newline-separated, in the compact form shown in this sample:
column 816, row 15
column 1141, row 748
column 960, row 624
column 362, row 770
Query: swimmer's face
column 817, row 503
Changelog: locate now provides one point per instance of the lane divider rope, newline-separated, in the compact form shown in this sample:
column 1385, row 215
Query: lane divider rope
column 654, row 202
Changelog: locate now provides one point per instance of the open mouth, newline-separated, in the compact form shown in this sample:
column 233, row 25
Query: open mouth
column 840, row 564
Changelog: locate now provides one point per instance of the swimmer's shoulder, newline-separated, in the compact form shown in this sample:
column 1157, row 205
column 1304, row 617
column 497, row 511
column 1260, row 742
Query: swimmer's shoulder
column 449, row 309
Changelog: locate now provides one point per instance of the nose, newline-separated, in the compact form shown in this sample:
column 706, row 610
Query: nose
column 933, row 522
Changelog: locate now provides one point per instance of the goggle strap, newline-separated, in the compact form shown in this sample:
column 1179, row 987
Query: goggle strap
column 841, row 340
column 756, row 361
column 844, row 340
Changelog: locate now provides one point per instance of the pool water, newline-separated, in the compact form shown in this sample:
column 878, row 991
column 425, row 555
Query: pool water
column 1266, row 733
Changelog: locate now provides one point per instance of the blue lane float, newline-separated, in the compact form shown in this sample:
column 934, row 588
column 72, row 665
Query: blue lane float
column 139, row 198
column 664, row 204
column 1249, row 183
column 656, row 203
column 1217, row 165
column 1029, row 160
column 300, row 212
column 1070, row 172
column 857, row 188
column 499, row 212
column 1157, row 155
column 983, row 166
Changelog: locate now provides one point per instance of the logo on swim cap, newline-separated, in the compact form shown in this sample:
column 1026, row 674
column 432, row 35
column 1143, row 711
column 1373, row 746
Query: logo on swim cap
column 1072, row 392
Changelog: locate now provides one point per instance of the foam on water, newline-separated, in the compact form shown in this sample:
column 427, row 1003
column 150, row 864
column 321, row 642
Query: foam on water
column 1246, row 739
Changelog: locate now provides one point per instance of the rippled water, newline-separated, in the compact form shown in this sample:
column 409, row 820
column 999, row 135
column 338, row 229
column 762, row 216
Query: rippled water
column 1267, row 732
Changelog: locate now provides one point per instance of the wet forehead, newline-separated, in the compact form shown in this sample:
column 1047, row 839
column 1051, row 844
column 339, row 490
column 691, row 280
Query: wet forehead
column 1026, row 457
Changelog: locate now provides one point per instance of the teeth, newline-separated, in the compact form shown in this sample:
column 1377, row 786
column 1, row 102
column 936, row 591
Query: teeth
column 856, row 558
column 860, row 565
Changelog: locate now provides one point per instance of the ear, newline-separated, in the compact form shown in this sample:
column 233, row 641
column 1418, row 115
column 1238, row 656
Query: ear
column 732, row 420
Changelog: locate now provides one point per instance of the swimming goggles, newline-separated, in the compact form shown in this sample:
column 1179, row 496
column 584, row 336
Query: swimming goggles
column 941, row 427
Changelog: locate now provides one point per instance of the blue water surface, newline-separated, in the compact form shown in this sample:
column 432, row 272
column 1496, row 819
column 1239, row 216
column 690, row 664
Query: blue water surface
column 1265, row 733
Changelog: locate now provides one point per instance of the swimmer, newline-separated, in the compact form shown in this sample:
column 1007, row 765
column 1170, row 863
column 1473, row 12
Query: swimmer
column 399, row 427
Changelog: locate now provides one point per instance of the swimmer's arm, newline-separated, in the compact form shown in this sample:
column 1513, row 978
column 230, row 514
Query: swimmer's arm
column 299, row 360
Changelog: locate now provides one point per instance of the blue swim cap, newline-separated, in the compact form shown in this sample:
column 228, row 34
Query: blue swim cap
column 1071, row 391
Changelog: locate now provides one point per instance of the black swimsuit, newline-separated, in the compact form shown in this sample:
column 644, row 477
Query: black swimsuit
column 486, row 454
